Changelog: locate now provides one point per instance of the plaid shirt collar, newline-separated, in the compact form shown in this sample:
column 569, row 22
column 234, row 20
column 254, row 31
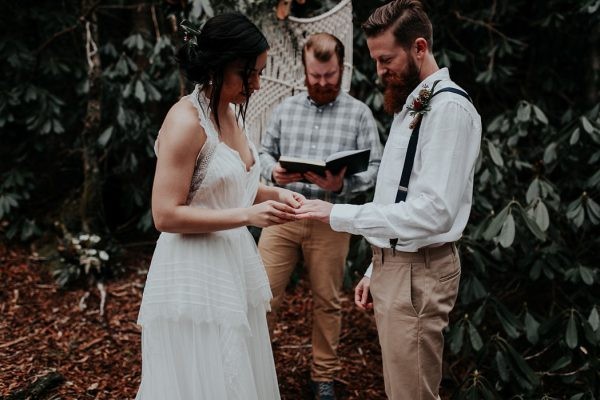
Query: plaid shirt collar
column 311, row 103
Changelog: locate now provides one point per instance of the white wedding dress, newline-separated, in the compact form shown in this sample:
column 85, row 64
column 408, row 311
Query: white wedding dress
column 203, row 312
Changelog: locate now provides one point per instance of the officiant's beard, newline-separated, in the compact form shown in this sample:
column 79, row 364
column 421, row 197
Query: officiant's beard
column 398, row 87
column 323, row 94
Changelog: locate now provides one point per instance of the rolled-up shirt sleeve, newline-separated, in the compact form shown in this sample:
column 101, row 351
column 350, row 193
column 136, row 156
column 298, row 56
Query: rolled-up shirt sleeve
column 369, row 271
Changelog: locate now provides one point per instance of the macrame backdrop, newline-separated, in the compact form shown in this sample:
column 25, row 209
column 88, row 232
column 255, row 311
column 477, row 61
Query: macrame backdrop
column 284, row 73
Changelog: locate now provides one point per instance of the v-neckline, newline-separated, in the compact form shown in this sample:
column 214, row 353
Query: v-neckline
column 218, row 138
column 239, row 157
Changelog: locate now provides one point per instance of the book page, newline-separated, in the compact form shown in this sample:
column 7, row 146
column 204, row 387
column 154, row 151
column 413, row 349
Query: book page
column 342, row 154
column 288, row 159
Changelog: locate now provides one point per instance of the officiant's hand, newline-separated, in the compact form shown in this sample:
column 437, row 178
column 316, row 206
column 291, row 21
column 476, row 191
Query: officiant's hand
column 282, row 177
column 330, row 182
column 315, row 209
column 362, row 299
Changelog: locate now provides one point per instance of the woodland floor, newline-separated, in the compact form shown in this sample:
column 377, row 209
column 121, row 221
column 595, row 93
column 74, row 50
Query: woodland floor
column 44, row 329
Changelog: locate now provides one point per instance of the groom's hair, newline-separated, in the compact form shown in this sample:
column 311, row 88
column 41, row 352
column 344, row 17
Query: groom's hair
column 406, row 18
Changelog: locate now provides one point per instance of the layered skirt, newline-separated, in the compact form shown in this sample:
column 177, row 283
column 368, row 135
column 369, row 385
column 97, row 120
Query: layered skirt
column 203, row 318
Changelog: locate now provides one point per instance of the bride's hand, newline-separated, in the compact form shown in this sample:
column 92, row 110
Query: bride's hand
column 290, row 198
column 269, row 213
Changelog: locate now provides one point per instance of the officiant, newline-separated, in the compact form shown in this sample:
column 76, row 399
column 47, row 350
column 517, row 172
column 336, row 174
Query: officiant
column 313, row 125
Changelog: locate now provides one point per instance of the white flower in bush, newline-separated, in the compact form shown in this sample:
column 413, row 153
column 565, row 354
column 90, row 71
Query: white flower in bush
column 81, row 256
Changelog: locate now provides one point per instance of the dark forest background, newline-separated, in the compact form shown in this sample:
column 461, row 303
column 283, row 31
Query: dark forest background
column 85, row 85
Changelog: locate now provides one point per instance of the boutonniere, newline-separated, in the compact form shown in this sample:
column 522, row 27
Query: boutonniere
column 419, row 106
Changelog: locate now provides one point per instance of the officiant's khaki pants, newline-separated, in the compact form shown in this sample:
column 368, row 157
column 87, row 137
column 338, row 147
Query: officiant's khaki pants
column 324, row 252
column 412, row 296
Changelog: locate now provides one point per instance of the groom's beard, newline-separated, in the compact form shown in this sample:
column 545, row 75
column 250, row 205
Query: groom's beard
column 398, row 87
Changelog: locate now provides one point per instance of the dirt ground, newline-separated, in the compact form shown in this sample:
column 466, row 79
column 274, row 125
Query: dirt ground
column 44, row 329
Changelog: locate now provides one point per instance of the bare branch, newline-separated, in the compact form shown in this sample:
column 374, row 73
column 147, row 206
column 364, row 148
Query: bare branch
column 155, row 22
column 71, row 28
column 125, row 7
column 578, row 370
column 55, row 36
column 485, row 24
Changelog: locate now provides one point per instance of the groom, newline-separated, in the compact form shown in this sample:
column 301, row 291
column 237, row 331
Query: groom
column 415, row 272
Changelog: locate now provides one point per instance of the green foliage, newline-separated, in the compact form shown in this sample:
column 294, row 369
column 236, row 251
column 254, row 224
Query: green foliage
column 526, row 324
column 44, row 104
column 527, row 312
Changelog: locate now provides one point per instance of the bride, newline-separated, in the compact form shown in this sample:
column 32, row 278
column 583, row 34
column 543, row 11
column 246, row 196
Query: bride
column 203, row 312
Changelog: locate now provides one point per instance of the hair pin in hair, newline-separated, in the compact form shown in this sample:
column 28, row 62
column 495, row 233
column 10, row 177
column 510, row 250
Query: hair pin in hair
column 190, row 33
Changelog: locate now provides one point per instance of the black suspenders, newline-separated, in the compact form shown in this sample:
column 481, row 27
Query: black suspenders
column 412, row 151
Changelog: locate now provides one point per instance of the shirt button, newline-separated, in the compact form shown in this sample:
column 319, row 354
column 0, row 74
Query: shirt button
column 314, row 146
column 316, row 126
column 319, row 110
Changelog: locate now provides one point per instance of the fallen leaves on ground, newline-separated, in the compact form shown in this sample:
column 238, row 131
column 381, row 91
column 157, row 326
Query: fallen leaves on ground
column 44, row 329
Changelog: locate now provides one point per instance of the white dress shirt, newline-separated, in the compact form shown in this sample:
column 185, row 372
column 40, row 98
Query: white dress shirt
column 440, row 191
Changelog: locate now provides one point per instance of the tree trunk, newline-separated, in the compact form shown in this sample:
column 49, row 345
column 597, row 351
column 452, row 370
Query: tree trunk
column 91, row 208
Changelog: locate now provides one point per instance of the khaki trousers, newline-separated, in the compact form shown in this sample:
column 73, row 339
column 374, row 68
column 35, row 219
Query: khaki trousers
column 413, row 293
column 324, row 252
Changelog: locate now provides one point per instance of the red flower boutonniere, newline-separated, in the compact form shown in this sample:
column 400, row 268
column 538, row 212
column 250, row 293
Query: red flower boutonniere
column 420, row 106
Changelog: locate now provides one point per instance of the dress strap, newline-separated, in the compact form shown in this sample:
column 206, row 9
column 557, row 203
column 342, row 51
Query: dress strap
column 201, row 104
column 206, row 153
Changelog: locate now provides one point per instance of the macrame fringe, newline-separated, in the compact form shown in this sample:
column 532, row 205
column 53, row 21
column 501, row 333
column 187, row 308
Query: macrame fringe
column 284, row 73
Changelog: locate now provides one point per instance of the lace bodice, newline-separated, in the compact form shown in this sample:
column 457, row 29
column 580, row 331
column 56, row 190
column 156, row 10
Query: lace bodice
column 220, row 178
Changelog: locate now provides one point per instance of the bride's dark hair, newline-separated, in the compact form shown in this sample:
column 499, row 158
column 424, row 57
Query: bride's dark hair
column 223, row 39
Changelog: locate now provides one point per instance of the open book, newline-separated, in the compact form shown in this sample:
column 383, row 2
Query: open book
column 355, row 160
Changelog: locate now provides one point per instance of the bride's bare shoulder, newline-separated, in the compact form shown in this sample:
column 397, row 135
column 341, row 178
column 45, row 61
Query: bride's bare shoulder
column 182, row 115
column 181, row 127
column 183, row 119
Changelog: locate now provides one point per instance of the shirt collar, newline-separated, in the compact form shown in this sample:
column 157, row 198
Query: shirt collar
column 441, row 74
column 310, row 101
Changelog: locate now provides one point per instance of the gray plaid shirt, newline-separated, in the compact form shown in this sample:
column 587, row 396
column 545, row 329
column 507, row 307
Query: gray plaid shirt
column 300, row 128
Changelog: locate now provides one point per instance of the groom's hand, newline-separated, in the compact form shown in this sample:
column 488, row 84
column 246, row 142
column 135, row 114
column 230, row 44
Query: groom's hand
column 315, row 209
column 361, row 294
